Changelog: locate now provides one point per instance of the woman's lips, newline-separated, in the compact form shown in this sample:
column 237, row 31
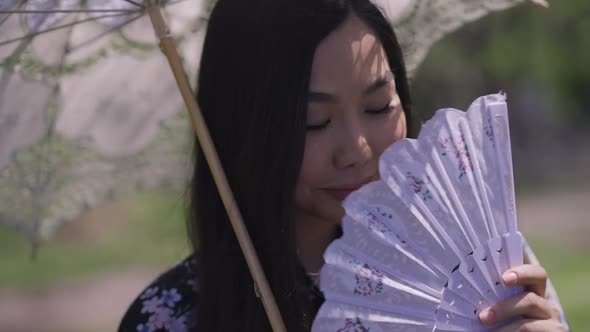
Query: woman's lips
column 342, row 192
column 339, row 194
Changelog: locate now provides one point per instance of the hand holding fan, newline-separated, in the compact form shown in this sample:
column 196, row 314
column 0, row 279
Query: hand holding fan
column 424, row 248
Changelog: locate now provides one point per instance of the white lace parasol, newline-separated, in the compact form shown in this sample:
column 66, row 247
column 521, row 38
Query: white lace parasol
column 90, row 112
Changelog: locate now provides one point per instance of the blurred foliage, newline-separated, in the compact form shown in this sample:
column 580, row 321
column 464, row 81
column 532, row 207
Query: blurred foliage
column 150, row 233
column 569, row 271
column 528, row 49
column 155, row 237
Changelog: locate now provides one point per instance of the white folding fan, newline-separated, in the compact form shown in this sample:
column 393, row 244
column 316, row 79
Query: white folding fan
column 423, row 248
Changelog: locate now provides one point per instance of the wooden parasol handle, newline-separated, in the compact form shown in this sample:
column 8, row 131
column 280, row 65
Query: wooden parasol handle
column 169, row 49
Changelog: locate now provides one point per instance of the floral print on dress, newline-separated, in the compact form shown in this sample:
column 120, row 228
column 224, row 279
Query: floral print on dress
column 165, row 309
column 144, row 328
column 165, row 306
column 168, row 303
column 150, row 305
column 170, row 297
column 148, row 293
column 161, row 318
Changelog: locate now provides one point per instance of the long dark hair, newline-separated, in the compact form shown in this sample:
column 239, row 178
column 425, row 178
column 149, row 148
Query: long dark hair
column 252, row 90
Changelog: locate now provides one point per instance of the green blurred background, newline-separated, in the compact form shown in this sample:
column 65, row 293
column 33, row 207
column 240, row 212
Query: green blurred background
column 85, row 277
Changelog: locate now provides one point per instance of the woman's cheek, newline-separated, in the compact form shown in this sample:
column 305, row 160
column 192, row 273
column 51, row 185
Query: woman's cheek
column 312, row 165
column 390, row 132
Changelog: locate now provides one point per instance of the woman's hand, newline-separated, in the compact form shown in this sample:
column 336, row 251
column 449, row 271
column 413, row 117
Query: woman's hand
column 538, row 314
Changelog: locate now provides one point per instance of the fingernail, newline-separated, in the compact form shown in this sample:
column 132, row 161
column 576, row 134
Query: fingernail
column 487, row 316
column 510, row 278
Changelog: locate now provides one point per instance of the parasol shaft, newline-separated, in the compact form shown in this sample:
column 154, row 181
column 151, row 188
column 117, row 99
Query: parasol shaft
column 169, row 49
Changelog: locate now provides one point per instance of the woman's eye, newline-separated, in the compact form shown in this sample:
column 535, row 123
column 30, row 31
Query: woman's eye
column 320, row 126
column 387, row 108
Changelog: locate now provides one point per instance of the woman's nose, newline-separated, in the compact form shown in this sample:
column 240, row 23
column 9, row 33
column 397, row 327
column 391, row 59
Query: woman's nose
column 353, row 148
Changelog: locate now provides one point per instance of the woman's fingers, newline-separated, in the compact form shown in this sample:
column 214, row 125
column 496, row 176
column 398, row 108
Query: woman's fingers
column 538, row 313
column 532, row 277
column 533, row 325
column 528, row 304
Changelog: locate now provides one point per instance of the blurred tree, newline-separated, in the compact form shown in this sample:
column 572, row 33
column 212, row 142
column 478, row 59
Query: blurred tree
column 541, row 59
column 527, row 51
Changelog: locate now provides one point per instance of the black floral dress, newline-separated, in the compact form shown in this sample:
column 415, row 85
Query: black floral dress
column 166, row 304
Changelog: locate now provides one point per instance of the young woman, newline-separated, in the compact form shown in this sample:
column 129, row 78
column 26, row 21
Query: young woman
column 301, row 98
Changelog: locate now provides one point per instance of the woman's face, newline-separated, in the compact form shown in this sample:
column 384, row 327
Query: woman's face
column 354, row 113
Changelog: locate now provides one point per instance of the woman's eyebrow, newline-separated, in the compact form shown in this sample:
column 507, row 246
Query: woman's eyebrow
column 323, row 97
column 378, row 84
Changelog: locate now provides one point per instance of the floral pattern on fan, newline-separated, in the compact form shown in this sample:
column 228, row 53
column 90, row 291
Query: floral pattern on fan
column 377, row 224
column 461, row 153
column 354, row 325
column 420, row 186
column 369, row 280
column 489, row 133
